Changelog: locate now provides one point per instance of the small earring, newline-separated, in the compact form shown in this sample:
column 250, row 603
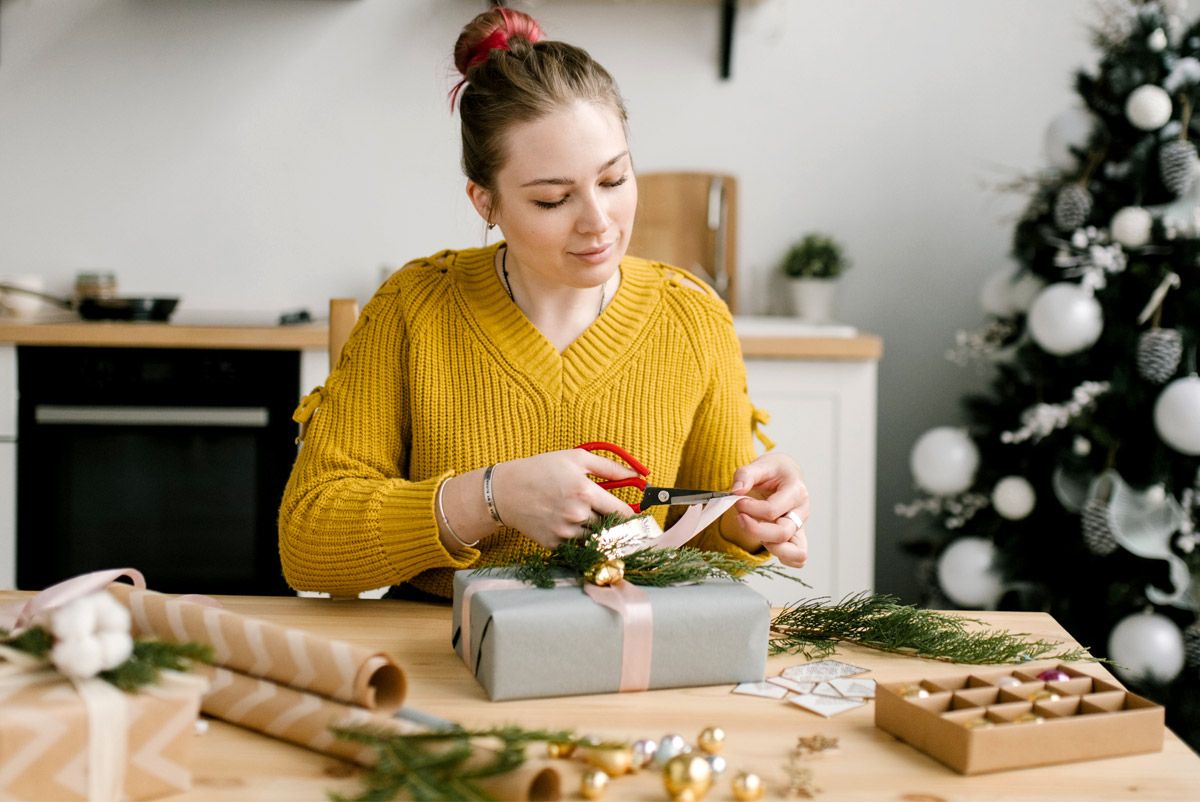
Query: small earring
column 491, row 226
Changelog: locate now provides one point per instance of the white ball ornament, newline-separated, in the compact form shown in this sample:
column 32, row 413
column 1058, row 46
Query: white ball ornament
column 1147, row 644
column 1148, row 107
column 944, row 460
column 1065, row 319
column 1013, row 498
column 1070, row 129
column 1177, row 415
column 1131, row 226
column 1157, row 41
column 967, row 575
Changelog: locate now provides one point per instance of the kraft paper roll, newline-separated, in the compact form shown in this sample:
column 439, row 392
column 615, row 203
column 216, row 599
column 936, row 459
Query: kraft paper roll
column 284, row 655
column 305, row 719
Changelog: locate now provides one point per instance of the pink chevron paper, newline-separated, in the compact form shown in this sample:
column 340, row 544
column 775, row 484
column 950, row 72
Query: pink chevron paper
column 283, row 655
column 45, row 746
column 305, row 719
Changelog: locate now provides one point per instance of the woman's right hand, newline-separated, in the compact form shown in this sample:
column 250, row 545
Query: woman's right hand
column 549, row 497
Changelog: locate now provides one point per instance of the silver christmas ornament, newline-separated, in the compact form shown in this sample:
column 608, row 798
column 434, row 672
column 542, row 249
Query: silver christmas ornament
column 1097, row 532
column 668, row 747
column 1159, row 352
column 1177, row 165
column 644, row 751
column 1072, row 206
column 1191, row 644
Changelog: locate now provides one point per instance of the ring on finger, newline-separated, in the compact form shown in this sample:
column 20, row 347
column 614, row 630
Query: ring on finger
column 794, row 517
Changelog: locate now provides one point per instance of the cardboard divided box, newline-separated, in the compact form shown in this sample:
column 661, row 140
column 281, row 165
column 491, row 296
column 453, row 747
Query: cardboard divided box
column 997, row 720
column 528, row 642
column 50, row 742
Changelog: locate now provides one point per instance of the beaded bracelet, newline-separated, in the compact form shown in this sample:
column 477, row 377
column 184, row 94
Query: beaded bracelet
column 489, row 497
column 442, row 512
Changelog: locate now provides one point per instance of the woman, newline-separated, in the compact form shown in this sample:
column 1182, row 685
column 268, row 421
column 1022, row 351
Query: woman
column 445, row 437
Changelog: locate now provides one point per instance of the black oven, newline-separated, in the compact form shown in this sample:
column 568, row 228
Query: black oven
column 171, row 461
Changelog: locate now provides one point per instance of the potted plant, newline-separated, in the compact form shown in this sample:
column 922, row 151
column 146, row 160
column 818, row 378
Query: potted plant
column 813, row 266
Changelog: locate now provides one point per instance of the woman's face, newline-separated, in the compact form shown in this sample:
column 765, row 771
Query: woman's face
column 567, row 196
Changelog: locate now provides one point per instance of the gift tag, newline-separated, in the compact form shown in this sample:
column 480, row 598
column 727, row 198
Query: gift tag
column 824, row 705
column 792, row 685
column 766, row 690
column 854, row 688
column 822, row 670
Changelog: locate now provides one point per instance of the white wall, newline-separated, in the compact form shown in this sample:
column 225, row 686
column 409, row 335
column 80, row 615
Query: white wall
column 268, row 154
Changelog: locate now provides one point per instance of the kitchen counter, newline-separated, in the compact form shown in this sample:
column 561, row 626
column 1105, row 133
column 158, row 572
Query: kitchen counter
column 761, row 337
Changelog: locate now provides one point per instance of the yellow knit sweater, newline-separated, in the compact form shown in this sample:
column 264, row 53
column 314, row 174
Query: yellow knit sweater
column 443, row 374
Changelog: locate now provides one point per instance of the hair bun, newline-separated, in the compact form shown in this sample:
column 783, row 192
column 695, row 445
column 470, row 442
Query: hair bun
column 492, row 30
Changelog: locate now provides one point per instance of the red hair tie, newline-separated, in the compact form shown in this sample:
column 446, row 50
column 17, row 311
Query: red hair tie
column 496, row 40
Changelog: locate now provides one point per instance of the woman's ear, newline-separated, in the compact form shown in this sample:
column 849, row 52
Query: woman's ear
column 481, row 199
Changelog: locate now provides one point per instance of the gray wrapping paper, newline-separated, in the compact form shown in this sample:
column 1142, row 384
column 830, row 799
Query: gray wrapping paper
column 529, row 642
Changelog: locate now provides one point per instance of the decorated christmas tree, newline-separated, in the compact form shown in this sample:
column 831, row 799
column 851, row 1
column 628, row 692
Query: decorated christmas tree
column 1074, row 488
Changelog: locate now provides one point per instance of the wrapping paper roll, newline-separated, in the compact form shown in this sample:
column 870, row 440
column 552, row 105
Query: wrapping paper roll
column 283, row 655
column 305, row 719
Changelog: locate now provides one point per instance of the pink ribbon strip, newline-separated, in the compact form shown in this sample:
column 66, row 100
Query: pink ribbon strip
column 66, row 591
column 627, row 600
column 693, row 522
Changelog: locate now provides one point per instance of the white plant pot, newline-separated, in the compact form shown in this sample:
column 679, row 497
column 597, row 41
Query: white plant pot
column 813, row 298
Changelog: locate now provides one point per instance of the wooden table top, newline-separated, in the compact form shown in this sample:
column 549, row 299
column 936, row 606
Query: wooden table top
column 235, row 764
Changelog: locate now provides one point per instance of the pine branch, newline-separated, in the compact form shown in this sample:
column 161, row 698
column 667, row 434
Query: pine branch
column 35, row 641
column 150, row 657
column 814, row 629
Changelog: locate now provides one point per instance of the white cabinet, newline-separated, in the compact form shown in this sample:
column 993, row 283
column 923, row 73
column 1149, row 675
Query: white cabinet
column 823, row 414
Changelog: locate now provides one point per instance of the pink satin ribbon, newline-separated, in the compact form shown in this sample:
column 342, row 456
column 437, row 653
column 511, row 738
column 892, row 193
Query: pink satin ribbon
column 693, row 522
column 627, row 600
column 67, row 591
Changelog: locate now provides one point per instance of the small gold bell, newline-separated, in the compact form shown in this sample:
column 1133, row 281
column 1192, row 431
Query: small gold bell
column 560, row 749
column 711, row 740
column 609, row 572
column 593, row 784
column 687, row 774
column 613, row 760
column 748, row 787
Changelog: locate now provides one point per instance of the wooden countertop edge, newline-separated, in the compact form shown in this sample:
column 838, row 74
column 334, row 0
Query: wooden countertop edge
column 159, row 335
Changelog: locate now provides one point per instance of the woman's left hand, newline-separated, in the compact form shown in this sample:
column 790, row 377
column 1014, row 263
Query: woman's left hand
column 775, row 507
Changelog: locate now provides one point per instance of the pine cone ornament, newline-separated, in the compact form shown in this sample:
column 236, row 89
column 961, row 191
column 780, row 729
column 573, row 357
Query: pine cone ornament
column 1097, row 534
column 1191, row 644
column 1158, row 354
column 1072, row 207
column 1177, row 164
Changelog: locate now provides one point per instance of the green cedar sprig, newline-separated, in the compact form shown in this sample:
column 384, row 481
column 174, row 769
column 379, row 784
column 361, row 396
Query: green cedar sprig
column 141, row 669
column 441, row 765
column 813, row 628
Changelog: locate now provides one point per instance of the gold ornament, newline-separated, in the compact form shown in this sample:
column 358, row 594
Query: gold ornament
column 1043, row 696
column 1029, row 718
column 613, row 760
column 748, row 787
column 609, row 572
column 711, row 740
column 560, row 749
column 593, row 784
column 913, row 692
column 687, row 774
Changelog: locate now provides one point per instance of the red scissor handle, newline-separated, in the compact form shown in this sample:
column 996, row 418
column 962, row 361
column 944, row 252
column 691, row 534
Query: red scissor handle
column 630, row 460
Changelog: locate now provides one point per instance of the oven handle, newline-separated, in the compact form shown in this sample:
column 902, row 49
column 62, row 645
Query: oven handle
column 246, row 417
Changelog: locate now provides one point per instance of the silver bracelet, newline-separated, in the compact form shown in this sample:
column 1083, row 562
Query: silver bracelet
column 489, row 497
column 442, row 512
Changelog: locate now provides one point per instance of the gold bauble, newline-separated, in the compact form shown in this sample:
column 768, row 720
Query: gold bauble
column 748, row 787
column 613, row 760
column 687, row 773
column 560, row 749
column 711, row 740
column 593, row 784
column 606, row 573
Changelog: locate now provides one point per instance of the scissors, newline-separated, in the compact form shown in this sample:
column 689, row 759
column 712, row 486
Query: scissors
column 651, row 495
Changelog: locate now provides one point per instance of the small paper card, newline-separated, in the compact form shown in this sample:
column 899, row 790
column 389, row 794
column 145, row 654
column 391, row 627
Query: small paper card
column 822, row 670
column 827, row 689
column 792, row 685
column 824, row 705
column 765, row 689
column 854, row 688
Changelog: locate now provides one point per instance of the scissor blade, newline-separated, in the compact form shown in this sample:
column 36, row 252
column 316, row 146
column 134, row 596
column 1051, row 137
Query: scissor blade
column 678, row 495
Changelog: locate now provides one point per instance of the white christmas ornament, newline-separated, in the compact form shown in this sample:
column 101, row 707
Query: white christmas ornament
column 1013, row 498
column 1065, row 319
column 1131, row 226
column 1157, row 41
column 1148, row 107
column 1177, row 415
column 1070, row 129
column 1146, row 644
column 966, row 574
column 944, row 460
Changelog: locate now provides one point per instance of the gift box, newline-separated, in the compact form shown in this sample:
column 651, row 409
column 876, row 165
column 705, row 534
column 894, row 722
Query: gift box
column 996, row 720
column 524, row 642
column 88, row 740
